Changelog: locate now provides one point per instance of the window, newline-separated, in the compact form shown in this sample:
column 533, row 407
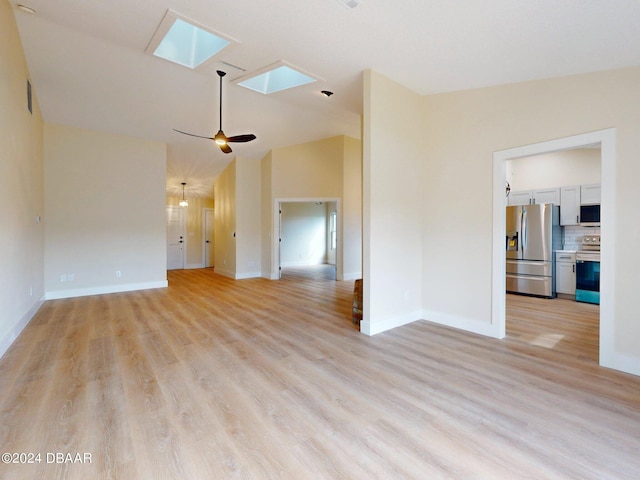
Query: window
column 332, row 231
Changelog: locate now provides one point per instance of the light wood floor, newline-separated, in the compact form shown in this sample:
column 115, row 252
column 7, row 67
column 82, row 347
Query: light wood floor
column 216, row 379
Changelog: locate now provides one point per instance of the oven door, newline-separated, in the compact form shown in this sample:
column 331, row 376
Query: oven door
column 588, row 281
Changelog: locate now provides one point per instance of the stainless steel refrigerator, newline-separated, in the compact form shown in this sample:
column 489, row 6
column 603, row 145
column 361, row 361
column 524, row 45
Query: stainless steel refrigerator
column 533, row 236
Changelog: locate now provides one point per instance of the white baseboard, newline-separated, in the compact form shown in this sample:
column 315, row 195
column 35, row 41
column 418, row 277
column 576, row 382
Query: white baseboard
column 191, row 266
column 350, row 276
column 11, row 336
column 302, row 263
column 369, row 328
column 83, row 292
column 224, row 273
column 242, row 276
column 621, row 362
column 461, row 323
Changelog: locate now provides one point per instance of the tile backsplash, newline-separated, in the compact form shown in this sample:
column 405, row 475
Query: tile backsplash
column 572, row 236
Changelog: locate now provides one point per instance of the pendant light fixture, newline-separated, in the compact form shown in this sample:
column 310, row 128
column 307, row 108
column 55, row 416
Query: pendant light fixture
column 183, row 202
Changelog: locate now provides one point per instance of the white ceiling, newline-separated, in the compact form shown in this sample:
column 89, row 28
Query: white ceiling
column 90, row 70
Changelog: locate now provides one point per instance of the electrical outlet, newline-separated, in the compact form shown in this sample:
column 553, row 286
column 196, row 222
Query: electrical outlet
column 118, row 274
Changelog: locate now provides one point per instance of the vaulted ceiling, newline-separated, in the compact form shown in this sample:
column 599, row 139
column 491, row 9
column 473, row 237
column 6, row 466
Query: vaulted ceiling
column 89, row 67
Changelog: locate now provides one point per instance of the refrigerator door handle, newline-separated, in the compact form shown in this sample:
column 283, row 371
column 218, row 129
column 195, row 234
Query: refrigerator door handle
column 523, row 228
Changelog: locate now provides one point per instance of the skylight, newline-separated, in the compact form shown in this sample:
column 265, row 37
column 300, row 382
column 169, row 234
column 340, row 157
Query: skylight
column 274, row 78
column 185, row 42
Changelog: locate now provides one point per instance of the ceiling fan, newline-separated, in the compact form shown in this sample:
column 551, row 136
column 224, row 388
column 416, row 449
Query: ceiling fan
column 220, row 138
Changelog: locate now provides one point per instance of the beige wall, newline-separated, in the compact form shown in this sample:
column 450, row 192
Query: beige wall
column 312, row 169
column 225, row 220
column 195, row 225
column 465, row 128
column 267, row 259
column 22, row 192
column 351, row 221
column 392, row 204
column 104, row 212
column 248, row 223
column 326, row 169
column 461, row 132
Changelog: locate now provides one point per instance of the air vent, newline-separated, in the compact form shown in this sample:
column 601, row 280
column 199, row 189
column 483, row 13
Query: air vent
column 29, row 97
column 349, row 3
column 233, row 66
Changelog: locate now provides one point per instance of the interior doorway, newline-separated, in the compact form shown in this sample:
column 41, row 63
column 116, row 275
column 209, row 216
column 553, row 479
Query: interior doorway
column 606, row 140
column 308, row 238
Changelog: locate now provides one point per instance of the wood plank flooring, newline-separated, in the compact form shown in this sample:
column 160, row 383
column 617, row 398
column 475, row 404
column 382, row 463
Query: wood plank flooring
column 214, row 378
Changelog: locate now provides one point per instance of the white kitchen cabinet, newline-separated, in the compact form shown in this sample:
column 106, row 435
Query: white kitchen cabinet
column 529, row 197
column 570, row 205
column 566, row 272
column 519, row 198
column 547, row 195
column 590, row 194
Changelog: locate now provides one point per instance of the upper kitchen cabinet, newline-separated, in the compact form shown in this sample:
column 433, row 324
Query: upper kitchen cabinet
column 519, row 198
column 570, row 205
column 590, row 194
column 574, row 196
column 530, row 197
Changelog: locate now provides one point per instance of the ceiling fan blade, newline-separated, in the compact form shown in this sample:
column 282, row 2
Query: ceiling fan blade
column 241, row 138
column 192, row 135
column 220, row 138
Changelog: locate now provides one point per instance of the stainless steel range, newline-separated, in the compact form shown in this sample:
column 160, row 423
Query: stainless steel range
column 588, row 270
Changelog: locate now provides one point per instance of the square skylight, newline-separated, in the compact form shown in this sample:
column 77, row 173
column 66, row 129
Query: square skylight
column 185, row 42
column 276, row 77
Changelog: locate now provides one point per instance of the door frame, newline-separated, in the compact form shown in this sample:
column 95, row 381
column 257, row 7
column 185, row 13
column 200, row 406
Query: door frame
column 607, row 141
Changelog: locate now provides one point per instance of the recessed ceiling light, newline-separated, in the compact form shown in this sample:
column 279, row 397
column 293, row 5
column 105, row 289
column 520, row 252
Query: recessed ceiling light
column 26, row 9
column 276, row 77
column 186, row 42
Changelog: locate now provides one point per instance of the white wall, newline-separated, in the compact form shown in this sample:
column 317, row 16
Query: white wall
column 303, row 233
column 580, row 166
column 22, row 192
column 104, row 212
column 392, row 204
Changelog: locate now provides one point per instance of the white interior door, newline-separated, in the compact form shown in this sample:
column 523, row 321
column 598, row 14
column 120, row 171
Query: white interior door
column 209, row 238
column 175, row 238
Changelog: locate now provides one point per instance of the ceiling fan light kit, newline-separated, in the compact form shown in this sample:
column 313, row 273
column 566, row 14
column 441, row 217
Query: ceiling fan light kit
column 220, row 138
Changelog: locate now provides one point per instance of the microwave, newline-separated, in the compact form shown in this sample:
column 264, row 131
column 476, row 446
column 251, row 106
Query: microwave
column 590, row 215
